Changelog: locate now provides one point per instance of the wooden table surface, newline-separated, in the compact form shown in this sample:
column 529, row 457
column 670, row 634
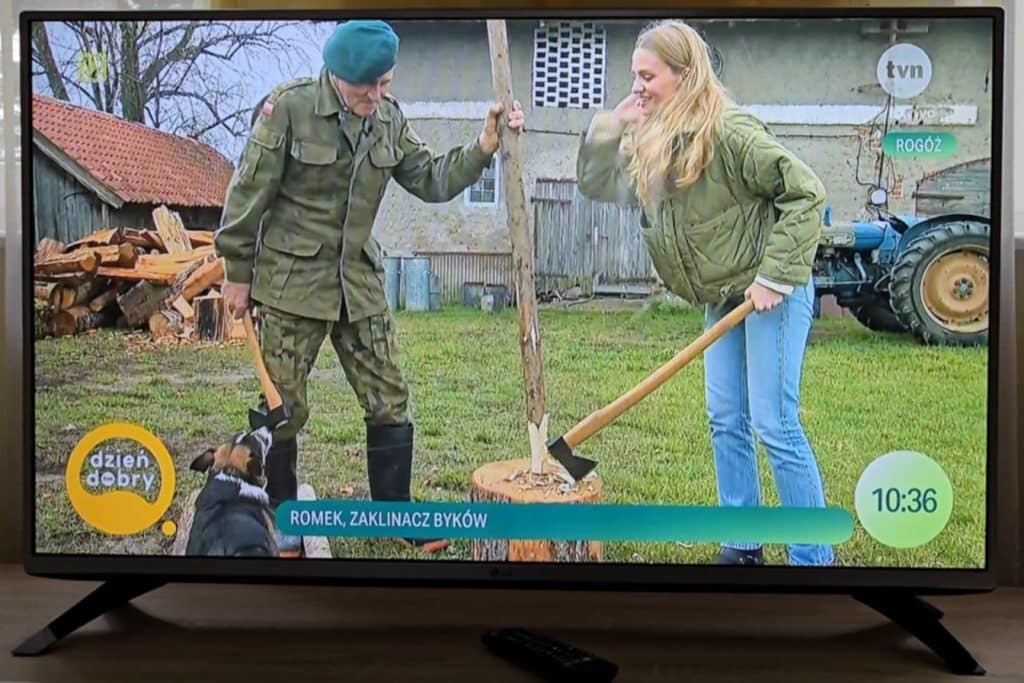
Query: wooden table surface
column 193, row 632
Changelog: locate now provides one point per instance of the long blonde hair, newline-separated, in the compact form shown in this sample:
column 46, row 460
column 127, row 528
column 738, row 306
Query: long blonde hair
column 671, row 149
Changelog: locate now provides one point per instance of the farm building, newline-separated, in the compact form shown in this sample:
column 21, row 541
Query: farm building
column 814, row 82
column 92, row 170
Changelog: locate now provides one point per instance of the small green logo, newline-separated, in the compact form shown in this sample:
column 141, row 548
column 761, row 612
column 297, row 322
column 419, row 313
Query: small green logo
column 904, row 499
column 92, row 67
column 919, row 144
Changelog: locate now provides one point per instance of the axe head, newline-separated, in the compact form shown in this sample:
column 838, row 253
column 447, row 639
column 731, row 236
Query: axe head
column 577, row 467
column 272, row 420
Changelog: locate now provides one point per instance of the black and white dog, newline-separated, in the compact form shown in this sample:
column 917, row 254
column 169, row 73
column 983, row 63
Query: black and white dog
column 232, row 512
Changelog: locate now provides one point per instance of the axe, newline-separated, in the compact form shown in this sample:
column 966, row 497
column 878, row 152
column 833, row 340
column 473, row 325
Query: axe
column 278, row 413
column 561, row 447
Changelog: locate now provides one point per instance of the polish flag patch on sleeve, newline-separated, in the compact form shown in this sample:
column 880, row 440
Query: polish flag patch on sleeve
column 268, row 108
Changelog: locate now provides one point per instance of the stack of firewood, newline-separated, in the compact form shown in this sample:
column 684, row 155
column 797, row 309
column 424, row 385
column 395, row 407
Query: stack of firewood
column 166, row 280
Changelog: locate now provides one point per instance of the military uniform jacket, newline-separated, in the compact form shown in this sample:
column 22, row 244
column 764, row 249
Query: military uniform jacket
column 301, row 204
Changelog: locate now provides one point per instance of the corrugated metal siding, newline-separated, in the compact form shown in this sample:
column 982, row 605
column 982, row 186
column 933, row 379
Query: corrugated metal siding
column 589, row 244
column 454, row 269
column 965, row 187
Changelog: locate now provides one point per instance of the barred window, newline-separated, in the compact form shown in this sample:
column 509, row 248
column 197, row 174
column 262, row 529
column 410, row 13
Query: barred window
column 569, row 65
column 484, row 192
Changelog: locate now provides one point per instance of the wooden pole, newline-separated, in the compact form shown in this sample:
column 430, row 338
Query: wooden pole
column 522, row 248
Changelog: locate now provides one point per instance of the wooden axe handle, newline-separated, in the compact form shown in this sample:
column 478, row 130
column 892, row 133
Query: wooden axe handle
column 269, row 390
column 597, row 420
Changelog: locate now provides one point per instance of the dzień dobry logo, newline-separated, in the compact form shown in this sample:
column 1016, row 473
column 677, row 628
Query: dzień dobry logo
column 120, row 478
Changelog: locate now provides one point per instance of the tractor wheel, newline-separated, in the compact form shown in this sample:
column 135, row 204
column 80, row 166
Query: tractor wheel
column 940, row 284
column 878, row 316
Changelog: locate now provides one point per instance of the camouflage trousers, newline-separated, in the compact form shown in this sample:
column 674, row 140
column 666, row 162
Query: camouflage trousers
column 366, row 349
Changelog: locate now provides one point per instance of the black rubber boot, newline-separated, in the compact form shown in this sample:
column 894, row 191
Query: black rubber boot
column 389, row 471
column 282, row 485
column 740, row 557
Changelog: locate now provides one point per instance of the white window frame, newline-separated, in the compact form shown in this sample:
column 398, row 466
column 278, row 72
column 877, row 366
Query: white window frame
column 467, row 193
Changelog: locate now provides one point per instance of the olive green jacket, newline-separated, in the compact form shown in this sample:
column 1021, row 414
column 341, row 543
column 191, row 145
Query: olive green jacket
column 755, row 213
column 301, row 204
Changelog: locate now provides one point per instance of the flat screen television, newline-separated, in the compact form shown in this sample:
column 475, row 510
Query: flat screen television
column 592, row 299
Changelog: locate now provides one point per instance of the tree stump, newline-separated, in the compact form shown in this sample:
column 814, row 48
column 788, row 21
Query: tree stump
column 511, row 481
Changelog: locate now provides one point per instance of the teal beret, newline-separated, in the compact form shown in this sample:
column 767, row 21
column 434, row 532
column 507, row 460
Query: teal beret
column 361, row 51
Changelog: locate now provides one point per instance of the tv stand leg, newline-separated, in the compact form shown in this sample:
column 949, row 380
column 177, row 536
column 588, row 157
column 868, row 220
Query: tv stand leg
column 922, row 620
column 108, row 596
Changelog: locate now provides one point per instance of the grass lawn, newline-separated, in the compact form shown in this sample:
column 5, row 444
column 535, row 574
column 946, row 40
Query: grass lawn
column 864, row 394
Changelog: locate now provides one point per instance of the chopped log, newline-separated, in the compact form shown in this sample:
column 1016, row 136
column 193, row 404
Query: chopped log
column 160, row 277
column 43, row 290
column 172, row 232
column 103, row 300
column 140, row 302
column 206, row 276
column 78, row 319
column 48, row 248
column 64, row 297
column 237, row 329
column 116, row 255
column 100, row 238
column 200, row 238
column 82, row 261
column 67, row 279
column 166, row 323
column 511, row 481
column 183, row 307
column 211, row 317
column 178, row 285
column 174, row 260
column 144, row 239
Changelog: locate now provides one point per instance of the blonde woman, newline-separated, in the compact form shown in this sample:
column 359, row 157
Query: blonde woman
column 727, row 213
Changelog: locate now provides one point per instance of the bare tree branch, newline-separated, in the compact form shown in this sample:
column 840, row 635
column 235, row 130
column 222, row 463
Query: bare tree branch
column 42, row 51
column 191, row 78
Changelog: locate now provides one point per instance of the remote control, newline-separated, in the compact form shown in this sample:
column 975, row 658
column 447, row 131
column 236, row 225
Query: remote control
column 550, row 658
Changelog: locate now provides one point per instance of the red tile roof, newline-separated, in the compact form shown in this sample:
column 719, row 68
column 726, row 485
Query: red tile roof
column 138, row 163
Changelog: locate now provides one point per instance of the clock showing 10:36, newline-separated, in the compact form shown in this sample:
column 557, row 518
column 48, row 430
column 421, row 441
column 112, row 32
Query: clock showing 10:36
column 904, row 499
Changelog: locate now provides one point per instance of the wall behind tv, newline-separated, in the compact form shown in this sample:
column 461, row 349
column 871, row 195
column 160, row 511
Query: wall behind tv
column 1011, row 489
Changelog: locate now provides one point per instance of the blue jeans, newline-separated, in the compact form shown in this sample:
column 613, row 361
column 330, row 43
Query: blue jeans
column 752, row 380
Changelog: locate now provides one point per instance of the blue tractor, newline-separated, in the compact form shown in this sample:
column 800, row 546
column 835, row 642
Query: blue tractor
column 928, row 276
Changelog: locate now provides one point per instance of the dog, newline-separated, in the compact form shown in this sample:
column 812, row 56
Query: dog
column 232, row 512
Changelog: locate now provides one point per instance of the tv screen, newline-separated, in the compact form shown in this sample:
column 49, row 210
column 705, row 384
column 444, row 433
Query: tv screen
column 593, row 297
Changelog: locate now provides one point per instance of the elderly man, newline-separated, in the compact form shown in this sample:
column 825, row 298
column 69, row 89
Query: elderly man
column 296, row 239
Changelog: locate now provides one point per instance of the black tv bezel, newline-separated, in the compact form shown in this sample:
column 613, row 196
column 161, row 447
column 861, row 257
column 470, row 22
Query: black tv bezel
column 463, row 573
